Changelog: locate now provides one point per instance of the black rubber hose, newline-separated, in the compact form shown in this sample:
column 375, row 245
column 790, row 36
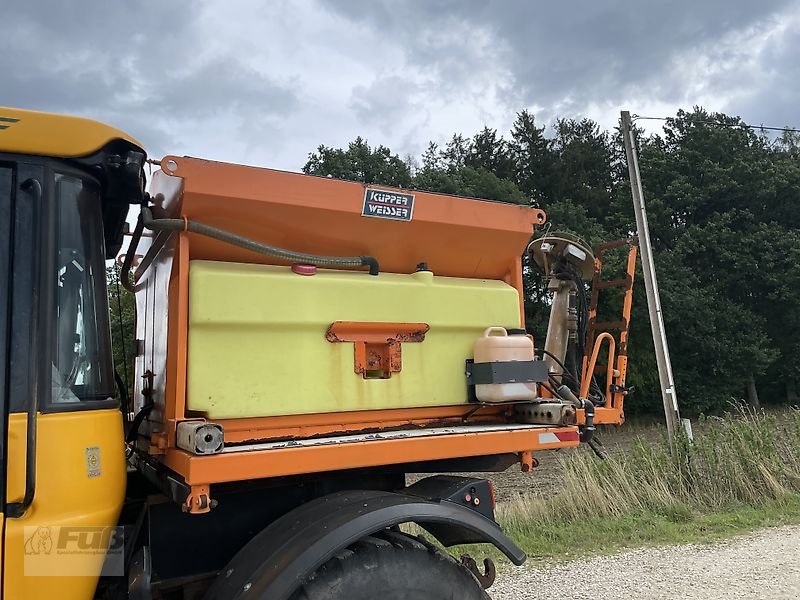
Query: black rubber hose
column 558, row 361
column 598, row 451
column 122, row 389
column 564, row 371
column 588, row 428
column 568, row 395
column 572, row 359
column 133, row 430
column 236, row 240
column 125, row 272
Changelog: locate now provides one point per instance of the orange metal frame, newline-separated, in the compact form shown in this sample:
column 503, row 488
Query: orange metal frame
column 200, row 471
column 612, row 413
column 237, row 466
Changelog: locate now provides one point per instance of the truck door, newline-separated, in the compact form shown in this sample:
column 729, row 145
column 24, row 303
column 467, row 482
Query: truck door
column 64, row 464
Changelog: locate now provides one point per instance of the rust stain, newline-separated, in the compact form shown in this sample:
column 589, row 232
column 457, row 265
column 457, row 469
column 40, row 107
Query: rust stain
column 332, row 337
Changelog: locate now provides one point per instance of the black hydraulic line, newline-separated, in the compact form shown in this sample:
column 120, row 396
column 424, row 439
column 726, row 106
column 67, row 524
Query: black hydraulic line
column 133, row 430
column 122, row 390
column 558, row 360
column 597, row 449
column 550, row 389
column 122, row 383
column 242, row 242
column 564, row 371
column 596, row 386
column 583, row 315
column 568, row 395
column 572, row 358
column 159, row 240
column 554, row 381
column 587, row 429
column 556, row 374
column 125, row 273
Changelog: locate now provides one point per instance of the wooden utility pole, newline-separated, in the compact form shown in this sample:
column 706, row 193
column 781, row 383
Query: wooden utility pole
column 665, row 378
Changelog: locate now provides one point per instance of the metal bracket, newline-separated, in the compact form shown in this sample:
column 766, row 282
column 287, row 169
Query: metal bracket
column 376, row 345
column 522, row 371
column 199, row 500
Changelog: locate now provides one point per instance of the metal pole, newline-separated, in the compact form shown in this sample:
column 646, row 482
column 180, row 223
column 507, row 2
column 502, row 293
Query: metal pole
column 665, row 378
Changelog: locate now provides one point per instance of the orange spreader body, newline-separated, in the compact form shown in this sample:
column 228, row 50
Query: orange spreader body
column 454, row 236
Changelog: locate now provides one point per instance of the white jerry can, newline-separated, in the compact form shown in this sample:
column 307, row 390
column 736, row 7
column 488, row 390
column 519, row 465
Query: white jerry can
column 495, row 345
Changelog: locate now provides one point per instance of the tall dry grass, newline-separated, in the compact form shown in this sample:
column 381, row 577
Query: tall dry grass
column 747, row 457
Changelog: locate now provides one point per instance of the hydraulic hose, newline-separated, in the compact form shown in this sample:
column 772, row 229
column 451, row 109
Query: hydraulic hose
column 597, row 449
column 125, row 272
column 242, row 242
column 588, row 429
column 133, row 430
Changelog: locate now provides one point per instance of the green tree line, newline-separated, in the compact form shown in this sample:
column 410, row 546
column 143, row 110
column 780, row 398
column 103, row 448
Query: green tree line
column 724, row 213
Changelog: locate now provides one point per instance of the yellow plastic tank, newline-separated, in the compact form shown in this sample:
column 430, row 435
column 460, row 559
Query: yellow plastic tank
column 260, row 341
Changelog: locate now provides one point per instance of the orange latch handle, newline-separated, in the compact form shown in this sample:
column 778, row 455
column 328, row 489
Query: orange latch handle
column 375, row 332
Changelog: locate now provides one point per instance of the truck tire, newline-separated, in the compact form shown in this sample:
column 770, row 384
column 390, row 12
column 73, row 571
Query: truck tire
column 391, row 566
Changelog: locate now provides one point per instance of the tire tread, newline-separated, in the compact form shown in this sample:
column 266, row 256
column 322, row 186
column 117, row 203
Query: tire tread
column 329, row 581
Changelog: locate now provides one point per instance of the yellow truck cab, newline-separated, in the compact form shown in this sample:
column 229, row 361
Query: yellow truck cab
column 65, row 189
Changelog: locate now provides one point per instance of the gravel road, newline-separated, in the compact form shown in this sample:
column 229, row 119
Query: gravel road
column 764, row 565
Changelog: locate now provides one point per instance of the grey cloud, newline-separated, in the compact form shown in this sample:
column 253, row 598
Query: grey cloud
column 777, row 97
column 385, row 101
column 140, row 66
column 569, row 53
column 222, row 84
column 267, row 82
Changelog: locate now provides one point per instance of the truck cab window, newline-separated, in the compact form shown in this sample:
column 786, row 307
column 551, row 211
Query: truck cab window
column 81, row 369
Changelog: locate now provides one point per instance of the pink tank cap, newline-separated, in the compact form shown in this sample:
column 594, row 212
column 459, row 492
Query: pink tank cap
column 304, row 269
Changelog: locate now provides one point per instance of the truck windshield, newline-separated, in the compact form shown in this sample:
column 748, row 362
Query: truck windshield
column 81, row 369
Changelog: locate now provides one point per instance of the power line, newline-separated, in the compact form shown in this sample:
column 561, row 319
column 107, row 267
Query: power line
column 718, row 124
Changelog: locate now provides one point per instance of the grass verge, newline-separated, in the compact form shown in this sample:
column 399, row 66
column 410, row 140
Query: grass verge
column 741, row 473
column 606, row 535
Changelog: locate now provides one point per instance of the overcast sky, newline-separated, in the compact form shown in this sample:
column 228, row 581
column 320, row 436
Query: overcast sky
column 265, row 82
